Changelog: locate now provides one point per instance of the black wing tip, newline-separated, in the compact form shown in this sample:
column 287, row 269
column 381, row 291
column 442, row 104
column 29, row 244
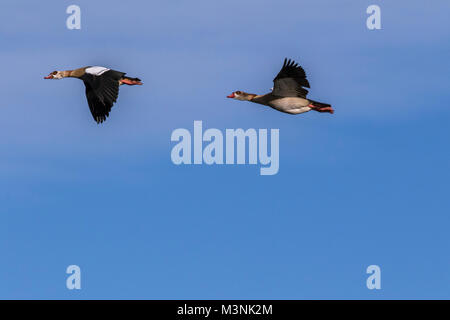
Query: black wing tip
column 100, row 119
column 100, row 111
column 306, row 84
column 290, row 63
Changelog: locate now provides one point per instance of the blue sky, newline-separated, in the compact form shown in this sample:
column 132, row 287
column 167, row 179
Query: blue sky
column 367, row 185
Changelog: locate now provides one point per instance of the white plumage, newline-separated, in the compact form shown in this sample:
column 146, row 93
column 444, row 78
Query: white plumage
column 96, row 71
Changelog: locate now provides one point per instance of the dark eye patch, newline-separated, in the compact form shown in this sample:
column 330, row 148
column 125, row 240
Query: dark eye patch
column 238, row 92
column 54, row 72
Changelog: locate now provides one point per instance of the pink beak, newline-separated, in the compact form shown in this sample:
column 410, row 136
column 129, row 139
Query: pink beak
column 49, row 77
column 231, row 95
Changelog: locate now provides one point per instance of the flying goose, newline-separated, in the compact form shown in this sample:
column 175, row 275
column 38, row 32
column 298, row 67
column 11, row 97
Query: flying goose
column 102, row 87
column 288, row 94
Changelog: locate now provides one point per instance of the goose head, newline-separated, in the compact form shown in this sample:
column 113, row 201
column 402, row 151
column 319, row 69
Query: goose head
column 55, row 75
column 240, row 95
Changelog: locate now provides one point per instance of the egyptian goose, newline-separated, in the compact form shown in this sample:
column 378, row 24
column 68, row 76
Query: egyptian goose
column 102, row 87
column 288, row 94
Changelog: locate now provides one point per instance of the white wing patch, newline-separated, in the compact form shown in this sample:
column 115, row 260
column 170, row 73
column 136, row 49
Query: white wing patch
column 96, row 71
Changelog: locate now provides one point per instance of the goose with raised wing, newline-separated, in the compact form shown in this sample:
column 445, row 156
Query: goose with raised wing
column 102, row 87
column 288, row 94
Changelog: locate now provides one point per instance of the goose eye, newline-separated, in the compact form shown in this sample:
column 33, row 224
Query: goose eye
column 238, row 92
column 54, row 72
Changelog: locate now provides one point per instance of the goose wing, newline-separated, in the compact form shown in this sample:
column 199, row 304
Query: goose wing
column 101, row 92
column 290, row 81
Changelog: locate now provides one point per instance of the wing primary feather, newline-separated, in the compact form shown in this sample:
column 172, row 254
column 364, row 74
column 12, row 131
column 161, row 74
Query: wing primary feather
column 290, row 80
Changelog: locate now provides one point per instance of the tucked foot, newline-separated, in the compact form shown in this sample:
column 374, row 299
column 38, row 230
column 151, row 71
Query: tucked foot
column 130, row 82
column 322, row 109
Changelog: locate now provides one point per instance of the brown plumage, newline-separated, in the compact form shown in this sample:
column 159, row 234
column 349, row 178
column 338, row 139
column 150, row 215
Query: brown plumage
column 102, row 87
column 288, row 94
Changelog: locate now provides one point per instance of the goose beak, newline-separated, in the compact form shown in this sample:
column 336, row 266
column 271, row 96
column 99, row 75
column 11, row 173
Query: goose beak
column 49, row 77
column 231, row 95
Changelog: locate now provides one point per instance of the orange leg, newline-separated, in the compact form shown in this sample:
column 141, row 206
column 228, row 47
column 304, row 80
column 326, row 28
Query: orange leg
column 324, row 109
column 130, row 82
